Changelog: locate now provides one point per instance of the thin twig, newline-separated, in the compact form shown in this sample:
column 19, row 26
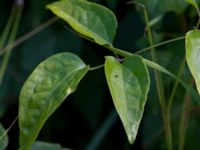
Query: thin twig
column 160, row 44
column 30, row 34
column 7, row 130
column 184, row 119
column 95, row 68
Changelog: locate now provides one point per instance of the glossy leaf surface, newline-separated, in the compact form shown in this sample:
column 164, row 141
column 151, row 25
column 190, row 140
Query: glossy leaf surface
column 89, row 19
column 3, row 138
column 193, row 54
column 45, row 89
column 129, row 84
column 39, row 145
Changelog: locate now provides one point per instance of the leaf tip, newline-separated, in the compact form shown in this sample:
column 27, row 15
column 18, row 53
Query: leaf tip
column 132, row 133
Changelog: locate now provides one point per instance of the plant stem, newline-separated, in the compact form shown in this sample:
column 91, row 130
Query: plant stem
column 30, row 34
column 198, row 12
column 95, row 68
column 7, row 130
column 170, row 101
column 160, row 44
column 184, row 120
column 118, row 51
column 101, row 133
column 7, row 27
column 11, row 40
column 160, row 89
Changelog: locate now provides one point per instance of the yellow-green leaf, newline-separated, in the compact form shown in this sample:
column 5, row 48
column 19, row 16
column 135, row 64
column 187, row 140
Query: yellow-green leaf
column 89, row 19
column 193, row 54
column 192, row 2
column 129, row 84
column 43, row 92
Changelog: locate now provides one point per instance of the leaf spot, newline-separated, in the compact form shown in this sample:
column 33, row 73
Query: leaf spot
column 116, row 76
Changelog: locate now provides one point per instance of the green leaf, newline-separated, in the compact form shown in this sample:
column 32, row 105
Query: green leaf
column 89, row 19
column 192, row 2
column 3, row 138
column 156, row 66
column 156, row 7
column 129, row 84
column 39, row 145
column 45, row 89
column 193, row 54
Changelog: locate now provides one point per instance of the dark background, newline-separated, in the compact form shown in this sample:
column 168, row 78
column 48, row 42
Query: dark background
column 84, row 112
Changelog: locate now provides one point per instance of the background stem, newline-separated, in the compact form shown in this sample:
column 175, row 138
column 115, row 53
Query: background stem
column 30, row 34
column 170, row 101
column 160, row 88
column 184, row 119
column 10, row 41
column 8, row 27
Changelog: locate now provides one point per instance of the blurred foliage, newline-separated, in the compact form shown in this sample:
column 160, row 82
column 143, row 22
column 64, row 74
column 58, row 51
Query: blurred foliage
column 80, row 118
column 3, row 139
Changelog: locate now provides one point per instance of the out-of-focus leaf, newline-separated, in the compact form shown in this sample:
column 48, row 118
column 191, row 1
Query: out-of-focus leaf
column 192, row 2
column 155, row 7
column 129, row 84
column 89, row 19
column 43, row 92
column 39, row 145
column 3, row 138
column 193, row 55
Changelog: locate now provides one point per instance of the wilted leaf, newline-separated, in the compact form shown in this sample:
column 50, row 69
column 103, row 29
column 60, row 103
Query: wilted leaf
column 39, row 145
column 45, row 89
column 3, row 138
column 89, row 19
column 129, row 85
column 193, row 54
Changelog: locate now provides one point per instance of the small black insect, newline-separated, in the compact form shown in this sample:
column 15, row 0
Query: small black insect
column 116, row 75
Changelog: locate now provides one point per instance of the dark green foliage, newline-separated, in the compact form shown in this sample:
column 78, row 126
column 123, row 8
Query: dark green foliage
column 84, row 120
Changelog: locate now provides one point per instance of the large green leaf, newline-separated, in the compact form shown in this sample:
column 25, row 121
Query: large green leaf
column 39, row 145
column 45, row 89
column 89, row 19
column 162, row 6
column 193, row 54
column 129, row 84
column 3, row 138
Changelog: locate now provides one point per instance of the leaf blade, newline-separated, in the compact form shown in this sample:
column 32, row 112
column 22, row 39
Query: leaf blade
column 192, row 2
column 40, row 145
column 90, row 19
column 44, row 91
column 193, row 54
column 129, row 85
